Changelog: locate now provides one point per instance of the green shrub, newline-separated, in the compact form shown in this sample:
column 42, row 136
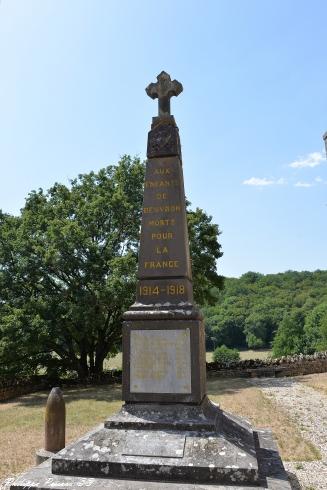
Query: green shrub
column 224, row 354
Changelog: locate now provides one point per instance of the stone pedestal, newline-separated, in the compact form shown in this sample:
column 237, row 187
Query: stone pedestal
column 168, row 447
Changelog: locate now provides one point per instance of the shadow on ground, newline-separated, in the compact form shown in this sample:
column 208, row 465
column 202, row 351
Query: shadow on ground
column 283, row 382
column 106, row 393
column 112, row 392
column 229, row 386
column 295, row 484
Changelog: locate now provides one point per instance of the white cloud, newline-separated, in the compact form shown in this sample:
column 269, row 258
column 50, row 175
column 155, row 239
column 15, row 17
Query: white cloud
column 261, row 182
column 318, row 179
column 256, row 181
column 281, row 181
column 303, row 184
column 311, row 160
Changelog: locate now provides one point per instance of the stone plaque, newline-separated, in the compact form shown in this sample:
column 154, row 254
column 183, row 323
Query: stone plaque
column 154, row 444
column 160, row 361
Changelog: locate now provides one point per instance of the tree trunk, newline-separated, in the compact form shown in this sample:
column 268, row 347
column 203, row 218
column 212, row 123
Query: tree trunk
column 98, row 365
column 91, row 360
column 83, row 370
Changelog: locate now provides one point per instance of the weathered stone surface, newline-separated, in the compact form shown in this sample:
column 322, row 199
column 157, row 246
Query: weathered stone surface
column 169, row 373
column 272, row 476
column 55, row 421
column 163, row 356
column 204, row 417
column 207, row 457
column 163, row 90
column 42, row 455
column 165, row 369
column 163, row 139
column 208, row 446
column 164, row 247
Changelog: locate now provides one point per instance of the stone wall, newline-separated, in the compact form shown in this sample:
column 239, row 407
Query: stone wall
column 11, row 388
column 284, row 366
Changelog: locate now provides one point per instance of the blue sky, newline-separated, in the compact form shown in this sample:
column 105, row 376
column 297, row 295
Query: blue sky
column 251, row 116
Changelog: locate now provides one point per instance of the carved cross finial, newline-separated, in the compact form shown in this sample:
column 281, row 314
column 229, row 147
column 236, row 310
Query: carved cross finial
column 164, row 89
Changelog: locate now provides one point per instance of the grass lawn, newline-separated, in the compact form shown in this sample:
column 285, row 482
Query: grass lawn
column 316, row 381
column 247, row 354
column 21, row 420
column 116, row 362
column 255, row 354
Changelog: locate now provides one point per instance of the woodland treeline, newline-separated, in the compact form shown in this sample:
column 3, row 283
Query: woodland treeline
column 286, row 311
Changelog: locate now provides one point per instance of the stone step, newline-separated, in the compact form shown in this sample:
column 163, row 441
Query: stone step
column 201, row 457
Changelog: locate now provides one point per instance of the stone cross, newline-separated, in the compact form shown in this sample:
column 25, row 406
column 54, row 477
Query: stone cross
column 163, row 90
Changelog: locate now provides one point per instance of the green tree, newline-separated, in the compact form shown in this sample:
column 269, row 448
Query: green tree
column 224, row 354
column 205, row 250
column 68, row 270
column 250, row 309
column 315, row 328
column 290, row 339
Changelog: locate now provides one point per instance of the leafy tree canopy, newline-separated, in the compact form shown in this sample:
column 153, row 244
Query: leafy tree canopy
column 68, row 267
column 252, row 309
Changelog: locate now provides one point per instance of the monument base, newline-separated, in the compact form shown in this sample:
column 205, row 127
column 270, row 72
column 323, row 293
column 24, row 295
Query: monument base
column 149, row 446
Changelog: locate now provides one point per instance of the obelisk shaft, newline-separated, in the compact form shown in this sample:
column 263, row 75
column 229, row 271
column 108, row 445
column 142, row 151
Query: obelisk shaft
column 163, row 332
column 164, row 271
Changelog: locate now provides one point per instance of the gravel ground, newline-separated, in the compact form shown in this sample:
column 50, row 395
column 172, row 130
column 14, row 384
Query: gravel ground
column 5, row 484
column 308, row 408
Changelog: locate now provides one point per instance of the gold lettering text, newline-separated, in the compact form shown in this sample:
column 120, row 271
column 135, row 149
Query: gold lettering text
column 159, row 184
column 162, row 209
column 162, row 236
column 165, row 264
column 161, row 195
column 162, row 222
column 161, row 171
column 161, row 250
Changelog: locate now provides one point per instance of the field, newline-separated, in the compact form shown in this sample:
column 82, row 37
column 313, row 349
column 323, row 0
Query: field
column 22, row 419
column 116, row 362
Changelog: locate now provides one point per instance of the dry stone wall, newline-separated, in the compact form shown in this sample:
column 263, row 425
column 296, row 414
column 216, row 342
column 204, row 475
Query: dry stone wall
column 284, row 366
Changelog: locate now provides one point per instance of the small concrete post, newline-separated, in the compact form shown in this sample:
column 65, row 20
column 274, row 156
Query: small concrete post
column 55, row 426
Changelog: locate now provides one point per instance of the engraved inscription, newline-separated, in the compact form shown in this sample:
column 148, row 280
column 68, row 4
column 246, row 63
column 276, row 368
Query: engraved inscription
column 161, row 171
column 170, row 290
column 162, row 236
column 165, row 264
column 163, row 248
column 161, row 222
column 155, row 184
column 173, row 208
column 160, row 361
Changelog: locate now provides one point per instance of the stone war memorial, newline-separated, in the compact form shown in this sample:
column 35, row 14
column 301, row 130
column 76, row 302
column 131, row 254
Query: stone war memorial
column 168, row 435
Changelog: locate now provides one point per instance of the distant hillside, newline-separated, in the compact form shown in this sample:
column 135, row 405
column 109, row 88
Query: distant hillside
column 287, row 309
